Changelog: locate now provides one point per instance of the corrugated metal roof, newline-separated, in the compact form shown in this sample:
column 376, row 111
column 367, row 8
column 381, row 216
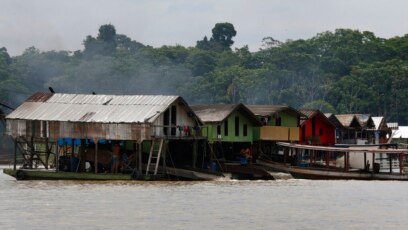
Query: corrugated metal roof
column 346, row 120
column 95, row 108
column 213, row 113
column 392, row 125
column 314, row 112
column 309, row 112
column 218, row 113
column 363, row 119
column 39, row 97
column 378, row 122
column 402, row 132
column 267, row 110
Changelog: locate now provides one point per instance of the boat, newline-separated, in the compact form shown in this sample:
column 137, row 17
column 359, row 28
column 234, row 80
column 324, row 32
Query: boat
column 346, row 163
column 245, row 172
column 171, row 174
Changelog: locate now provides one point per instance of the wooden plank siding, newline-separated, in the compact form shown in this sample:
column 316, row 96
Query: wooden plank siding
column 211, row 129
column 84, row 130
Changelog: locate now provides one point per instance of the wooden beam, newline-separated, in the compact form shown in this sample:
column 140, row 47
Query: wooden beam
column 15, row 154
column 373, row 161
column 139, row 153
column 194, row 153
column 96, row 155
column 57, row 155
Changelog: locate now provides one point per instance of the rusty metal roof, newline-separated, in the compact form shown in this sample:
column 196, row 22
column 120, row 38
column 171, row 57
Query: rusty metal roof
column 348, row 120
column 314, row 112
column 267, row 110
column 219, row 112
column 93, row 108
column 309, row 112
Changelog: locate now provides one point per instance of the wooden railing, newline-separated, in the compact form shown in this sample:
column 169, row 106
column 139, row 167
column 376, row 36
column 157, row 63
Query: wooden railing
column 279, row 133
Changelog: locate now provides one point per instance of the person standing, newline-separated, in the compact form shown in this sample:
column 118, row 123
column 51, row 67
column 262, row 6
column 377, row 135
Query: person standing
column 115, row 158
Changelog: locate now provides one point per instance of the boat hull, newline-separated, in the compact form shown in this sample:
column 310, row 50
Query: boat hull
column 323, row 174
column 26, row 174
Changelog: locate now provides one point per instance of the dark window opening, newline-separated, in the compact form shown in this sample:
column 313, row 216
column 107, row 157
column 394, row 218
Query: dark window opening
column 278, row 121
column 218, row 130
column 173, row 120
column 166, row 117
column 245, row 130
column 226, row 128
column 237, row 126
column 321, row 132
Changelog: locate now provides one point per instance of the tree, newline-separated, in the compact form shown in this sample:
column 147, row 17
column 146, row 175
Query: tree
column 222, row 35
column 201, row 63
column 107, row 33
column 221, row 39
column 104, row 44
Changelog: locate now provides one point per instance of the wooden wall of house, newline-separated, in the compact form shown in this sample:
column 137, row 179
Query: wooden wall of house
column 323, row 132
column 80, row 130
column 286, row 119
column 287, row 130
column 183, row 118
column 211, row 130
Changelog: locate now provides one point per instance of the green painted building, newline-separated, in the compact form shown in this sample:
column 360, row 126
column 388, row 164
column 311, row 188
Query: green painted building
column 226, row 123
column 279, row 122
column 229, row 128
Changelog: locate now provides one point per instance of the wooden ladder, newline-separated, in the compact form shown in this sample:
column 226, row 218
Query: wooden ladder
column 154, row 156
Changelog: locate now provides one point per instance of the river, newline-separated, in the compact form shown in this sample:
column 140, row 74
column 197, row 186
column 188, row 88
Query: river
column 281, row 204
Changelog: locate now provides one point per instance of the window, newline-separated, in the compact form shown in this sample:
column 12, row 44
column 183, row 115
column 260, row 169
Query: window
column 218, row 130
column 278, row 121
column 173, row 121
column 226, row 128
column 237, row 126
column 245, row 130
column 321, row 132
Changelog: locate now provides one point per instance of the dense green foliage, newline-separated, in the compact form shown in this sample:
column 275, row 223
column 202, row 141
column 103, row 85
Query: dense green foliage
column 345, row 71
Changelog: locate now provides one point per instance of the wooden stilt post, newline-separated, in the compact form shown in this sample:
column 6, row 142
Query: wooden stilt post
column 390, row 157
column 139, row 153
column 348, row 161
column 365, row 161
column 328, row 159
column 164, row 154
column 57, row 155
column 194, row 153
column 96, row 155
column 400, row 159
column 373, row 161
column 47, row 152
column 15, row 154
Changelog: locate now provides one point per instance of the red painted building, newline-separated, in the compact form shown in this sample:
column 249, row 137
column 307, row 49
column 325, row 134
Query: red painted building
column 317, row 129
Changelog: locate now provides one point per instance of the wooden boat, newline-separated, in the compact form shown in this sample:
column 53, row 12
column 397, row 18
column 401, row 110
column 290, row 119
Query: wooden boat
column 246, row 172
column 39, row 174
column 171, row 174
column 318, row 162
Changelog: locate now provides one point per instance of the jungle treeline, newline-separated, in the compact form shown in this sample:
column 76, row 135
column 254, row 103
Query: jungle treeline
column 341, row 71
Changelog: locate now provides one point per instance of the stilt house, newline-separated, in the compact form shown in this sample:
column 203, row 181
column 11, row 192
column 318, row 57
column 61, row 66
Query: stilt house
column 317, row 129
column 92, row 123
column 279, row 123
column 381, row 130
column 229, row 128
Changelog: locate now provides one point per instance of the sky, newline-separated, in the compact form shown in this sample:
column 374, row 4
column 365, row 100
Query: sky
column 64, row 24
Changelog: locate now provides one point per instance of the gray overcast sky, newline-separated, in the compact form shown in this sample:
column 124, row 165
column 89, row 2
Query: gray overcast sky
column 63, row 25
